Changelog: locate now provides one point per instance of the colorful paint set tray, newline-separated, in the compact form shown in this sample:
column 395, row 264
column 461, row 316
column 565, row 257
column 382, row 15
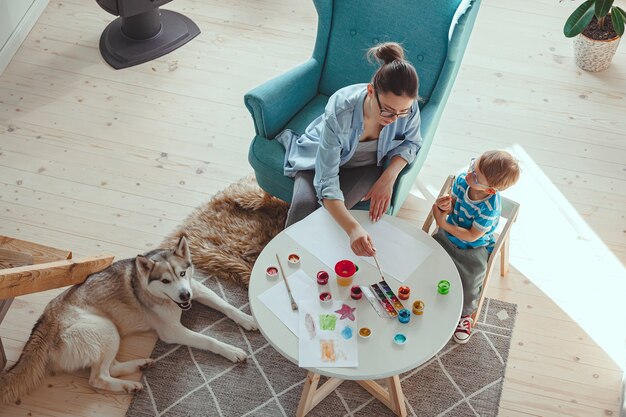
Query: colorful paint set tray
column 386, row 299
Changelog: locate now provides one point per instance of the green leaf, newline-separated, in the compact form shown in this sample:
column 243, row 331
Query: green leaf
column 579, row 20
column 618, row 18
column 602, row 8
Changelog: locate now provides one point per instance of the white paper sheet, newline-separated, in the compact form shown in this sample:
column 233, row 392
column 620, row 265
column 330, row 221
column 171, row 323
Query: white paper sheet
column 326, row 339
column 323, row 238
column 398, row 253
column 277, row 298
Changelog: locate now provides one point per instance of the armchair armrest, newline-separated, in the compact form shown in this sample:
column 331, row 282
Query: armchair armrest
column 275, row 102
column 430, row 115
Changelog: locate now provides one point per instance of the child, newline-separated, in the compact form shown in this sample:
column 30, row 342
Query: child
column 473, row 212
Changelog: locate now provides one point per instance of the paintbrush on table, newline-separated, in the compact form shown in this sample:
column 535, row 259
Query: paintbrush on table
column 379, row 268
column 294, row 306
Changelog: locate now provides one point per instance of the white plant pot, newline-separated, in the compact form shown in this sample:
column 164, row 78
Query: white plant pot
column 593, row 55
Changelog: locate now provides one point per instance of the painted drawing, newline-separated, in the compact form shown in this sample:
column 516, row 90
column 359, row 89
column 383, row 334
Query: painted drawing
column 347, row 333
column 327, row 334
column 327, row 350
column 309, row 323
column 328, row 321
column 346, row 312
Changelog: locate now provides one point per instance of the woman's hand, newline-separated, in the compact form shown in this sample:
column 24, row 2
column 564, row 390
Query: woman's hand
column 380, row 197
column 361, row 242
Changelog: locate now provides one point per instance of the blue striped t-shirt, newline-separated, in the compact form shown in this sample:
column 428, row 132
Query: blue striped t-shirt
column 483, row 215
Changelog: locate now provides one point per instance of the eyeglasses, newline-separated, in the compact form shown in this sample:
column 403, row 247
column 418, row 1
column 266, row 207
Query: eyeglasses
column 472, row 170
column 387, row 114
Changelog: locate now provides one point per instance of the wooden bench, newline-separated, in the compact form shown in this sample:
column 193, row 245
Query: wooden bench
column 27, row 267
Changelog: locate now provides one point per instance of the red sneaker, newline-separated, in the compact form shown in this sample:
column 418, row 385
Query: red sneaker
column 463, row 330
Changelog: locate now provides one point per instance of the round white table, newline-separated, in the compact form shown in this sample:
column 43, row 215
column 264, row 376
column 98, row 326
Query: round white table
column 379, row 357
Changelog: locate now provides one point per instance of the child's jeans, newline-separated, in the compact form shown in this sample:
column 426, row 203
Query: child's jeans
column 472, row 265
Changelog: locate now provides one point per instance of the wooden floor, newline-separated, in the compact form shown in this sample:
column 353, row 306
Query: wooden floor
column 96, row 160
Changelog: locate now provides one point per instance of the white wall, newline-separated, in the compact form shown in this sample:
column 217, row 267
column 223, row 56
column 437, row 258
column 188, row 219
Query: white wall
column 17, row 17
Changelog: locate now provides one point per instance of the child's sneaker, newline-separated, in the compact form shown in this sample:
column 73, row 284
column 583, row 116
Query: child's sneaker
column 463, row 329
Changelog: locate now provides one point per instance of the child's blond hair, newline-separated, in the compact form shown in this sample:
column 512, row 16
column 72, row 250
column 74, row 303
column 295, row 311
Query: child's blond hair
column 499, row 168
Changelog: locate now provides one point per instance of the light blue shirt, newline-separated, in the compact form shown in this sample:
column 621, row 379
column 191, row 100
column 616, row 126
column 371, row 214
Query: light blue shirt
column 330, row 140
column 484, row 215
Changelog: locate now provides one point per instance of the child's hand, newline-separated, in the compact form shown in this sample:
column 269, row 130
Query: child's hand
column 444, row 203
column 439, row 215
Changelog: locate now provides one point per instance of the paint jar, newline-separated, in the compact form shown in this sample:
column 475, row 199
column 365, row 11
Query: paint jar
column 326, row 298
column 404, row 293
column 271, row 272
column 356, row 293
column 399, row 339
column 345, row 271
column 418, row 307
column 404, row 316
column 365, row 332
column 294, row 260
column 322, row 278
column 443, row 287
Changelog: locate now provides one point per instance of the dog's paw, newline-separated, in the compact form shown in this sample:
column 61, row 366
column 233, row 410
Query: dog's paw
column 132, row 387
column 247, row 322
column 235, row 355
column 149, row 364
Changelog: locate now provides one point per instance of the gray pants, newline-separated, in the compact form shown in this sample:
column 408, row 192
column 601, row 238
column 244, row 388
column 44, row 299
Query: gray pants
column 472, row 265
column 354, row 183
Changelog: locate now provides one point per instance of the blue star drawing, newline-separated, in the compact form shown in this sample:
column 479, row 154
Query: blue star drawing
column 346, row 312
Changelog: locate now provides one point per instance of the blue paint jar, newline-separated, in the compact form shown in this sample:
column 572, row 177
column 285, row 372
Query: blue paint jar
column 404, row 315
column 399, row 339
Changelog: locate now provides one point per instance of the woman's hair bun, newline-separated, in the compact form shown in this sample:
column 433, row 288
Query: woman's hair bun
column 386, row 53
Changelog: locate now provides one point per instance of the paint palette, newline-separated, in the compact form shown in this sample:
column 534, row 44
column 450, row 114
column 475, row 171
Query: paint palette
column 384, row 301
column 387, row 299
column 378, row 308
column 390, row 294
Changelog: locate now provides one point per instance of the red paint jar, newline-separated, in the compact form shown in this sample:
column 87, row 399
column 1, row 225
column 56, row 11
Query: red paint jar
column 356, row 293
column 322, row 278
column 326, row 298
column 345, row 271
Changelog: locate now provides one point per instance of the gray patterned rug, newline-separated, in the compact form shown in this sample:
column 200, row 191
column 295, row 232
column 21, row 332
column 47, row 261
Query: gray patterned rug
column 462, row 380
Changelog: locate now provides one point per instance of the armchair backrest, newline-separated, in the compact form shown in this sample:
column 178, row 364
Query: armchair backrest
column 348, row 28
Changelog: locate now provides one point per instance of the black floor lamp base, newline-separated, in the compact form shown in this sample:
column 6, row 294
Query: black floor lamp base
column 130, row 41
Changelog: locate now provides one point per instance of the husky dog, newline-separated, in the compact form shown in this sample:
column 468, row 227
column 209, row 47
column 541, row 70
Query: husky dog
column 82, row 327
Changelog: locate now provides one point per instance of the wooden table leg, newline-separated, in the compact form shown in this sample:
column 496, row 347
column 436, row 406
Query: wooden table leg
column 396, row 396
column 310, row 386
column 312, row 396
column 393, row 398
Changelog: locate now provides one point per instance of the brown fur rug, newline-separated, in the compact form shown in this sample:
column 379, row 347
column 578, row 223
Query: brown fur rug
column 228, row 233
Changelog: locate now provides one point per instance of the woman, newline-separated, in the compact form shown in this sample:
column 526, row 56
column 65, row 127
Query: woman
column 339, row 159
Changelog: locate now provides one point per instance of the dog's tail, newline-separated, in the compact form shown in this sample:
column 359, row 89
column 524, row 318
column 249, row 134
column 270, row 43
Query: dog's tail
column 30, row 369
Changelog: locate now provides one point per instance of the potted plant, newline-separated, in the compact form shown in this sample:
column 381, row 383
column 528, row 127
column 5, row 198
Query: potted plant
column 597, row 26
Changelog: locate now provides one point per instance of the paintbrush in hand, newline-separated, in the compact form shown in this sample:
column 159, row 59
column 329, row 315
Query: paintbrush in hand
column 294, row 306
column 379, row 268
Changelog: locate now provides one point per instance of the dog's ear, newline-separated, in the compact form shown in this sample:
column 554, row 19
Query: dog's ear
column 144, row 265
column 182, row 249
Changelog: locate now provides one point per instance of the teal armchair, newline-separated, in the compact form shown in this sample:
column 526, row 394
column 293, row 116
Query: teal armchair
column 345, row 30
